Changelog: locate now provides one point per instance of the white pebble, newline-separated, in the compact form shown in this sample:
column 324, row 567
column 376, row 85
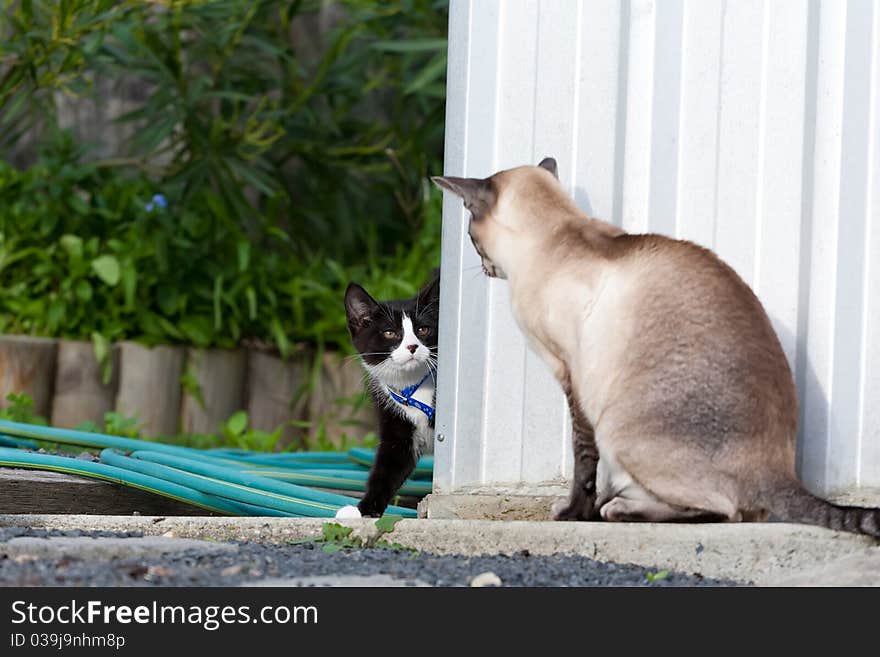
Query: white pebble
column 486, row 579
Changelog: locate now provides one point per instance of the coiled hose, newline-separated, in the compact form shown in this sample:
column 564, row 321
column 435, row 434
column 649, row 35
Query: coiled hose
column 227, row 481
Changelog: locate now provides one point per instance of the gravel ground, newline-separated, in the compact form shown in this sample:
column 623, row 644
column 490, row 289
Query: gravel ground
column 256, row 561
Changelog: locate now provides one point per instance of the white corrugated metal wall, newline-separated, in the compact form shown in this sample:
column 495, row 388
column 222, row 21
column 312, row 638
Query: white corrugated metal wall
column 750, row 127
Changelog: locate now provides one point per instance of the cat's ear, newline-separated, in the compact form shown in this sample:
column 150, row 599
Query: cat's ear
column 359, row 306
column 431, row 292
column 550, row 164
column 477, row 193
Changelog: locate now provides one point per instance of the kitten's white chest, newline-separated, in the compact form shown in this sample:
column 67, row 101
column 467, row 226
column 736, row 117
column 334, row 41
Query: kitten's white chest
column 423, row 433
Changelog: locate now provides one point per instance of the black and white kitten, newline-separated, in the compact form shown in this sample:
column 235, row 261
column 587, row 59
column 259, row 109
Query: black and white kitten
column 397, row 342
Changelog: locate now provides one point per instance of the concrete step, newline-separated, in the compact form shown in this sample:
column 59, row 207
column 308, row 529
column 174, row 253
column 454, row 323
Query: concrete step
column 767, row 554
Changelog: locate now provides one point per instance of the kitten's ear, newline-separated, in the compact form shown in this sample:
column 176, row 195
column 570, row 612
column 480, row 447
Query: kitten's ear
column 359, row 306
column 477, row 193
column 550, row 164
column 431, row 292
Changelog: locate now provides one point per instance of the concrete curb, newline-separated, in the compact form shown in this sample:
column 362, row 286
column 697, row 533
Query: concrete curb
column 767, row 554
column 83, row 547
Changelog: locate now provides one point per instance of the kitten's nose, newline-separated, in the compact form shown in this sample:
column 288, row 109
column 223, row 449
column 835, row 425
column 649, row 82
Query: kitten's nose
column 412, row 348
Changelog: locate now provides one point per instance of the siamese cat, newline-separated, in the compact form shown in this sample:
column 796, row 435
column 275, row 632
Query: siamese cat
column 682, row 402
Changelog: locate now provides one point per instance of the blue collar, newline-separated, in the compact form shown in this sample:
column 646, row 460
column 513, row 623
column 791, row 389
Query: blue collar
column 405, row 397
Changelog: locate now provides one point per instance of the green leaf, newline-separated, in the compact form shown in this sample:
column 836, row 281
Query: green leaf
column 101, row 347
column 433, row 70
column 129, row 284
column 216, row 206
column 73, row 245
column 252, row 302
column 78, row 205
column 656, row 577
column 253, row 177
column 386, row 523
column 410, row 45
column 168, row 299
column 89, row 425
column 55, row 315
column 20, row 409
column 280, row 337
column 117, row 424
column 237, row 423
column 217, row 298
column 190, row 384
column 333, row 531
column 244, row 255
column 197, row 329
column 169, row 329
column 83, row 290
column 107, row 269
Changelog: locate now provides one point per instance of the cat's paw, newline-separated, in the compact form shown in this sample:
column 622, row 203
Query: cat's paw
column 561, row 510
column 565, row 510
column 348, row 512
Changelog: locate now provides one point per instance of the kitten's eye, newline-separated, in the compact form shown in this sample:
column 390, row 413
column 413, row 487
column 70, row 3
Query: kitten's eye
column 389, row 335
column 423, row 331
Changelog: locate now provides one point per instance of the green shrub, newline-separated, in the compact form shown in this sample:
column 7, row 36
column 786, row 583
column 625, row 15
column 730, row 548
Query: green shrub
column 20, row 409
column 285, row 169
column 82, row 258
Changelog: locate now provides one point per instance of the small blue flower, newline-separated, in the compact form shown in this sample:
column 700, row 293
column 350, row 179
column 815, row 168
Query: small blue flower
column 158, row 201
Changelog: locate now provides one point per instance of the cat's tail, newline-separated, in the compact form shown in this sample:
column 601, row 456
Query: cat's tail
column 792, row 503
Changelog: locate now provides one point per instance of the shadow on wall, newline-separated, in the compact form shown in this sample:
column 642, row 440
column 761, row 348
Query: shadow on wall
column 812, row 442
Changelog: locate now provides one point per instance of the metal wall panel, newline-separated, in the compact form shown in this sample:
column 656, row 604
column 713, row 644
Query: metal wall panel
column 748, row 126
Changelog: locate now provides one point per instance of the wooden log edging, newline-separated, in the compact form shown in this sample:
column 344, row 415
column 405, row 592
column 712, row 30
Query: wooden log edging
column 80, row 395
column 64, row 379
column 34, row 491
column 149, row 386
column 338, row 401
column 220, row 377
column 273, row 392
column 27, row 365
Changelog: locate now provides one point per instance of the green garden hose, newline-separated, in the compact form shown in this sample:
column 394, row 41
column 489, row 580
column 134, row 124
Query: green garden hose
column 220, row 486
column 228, row 481
column 341, row 476
column 8, row 441
column 355, row 480
column 365, row 456
column 85, row 438
column 304, row 500
column 294, row 457
column 269, row 463
column 17, row 458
